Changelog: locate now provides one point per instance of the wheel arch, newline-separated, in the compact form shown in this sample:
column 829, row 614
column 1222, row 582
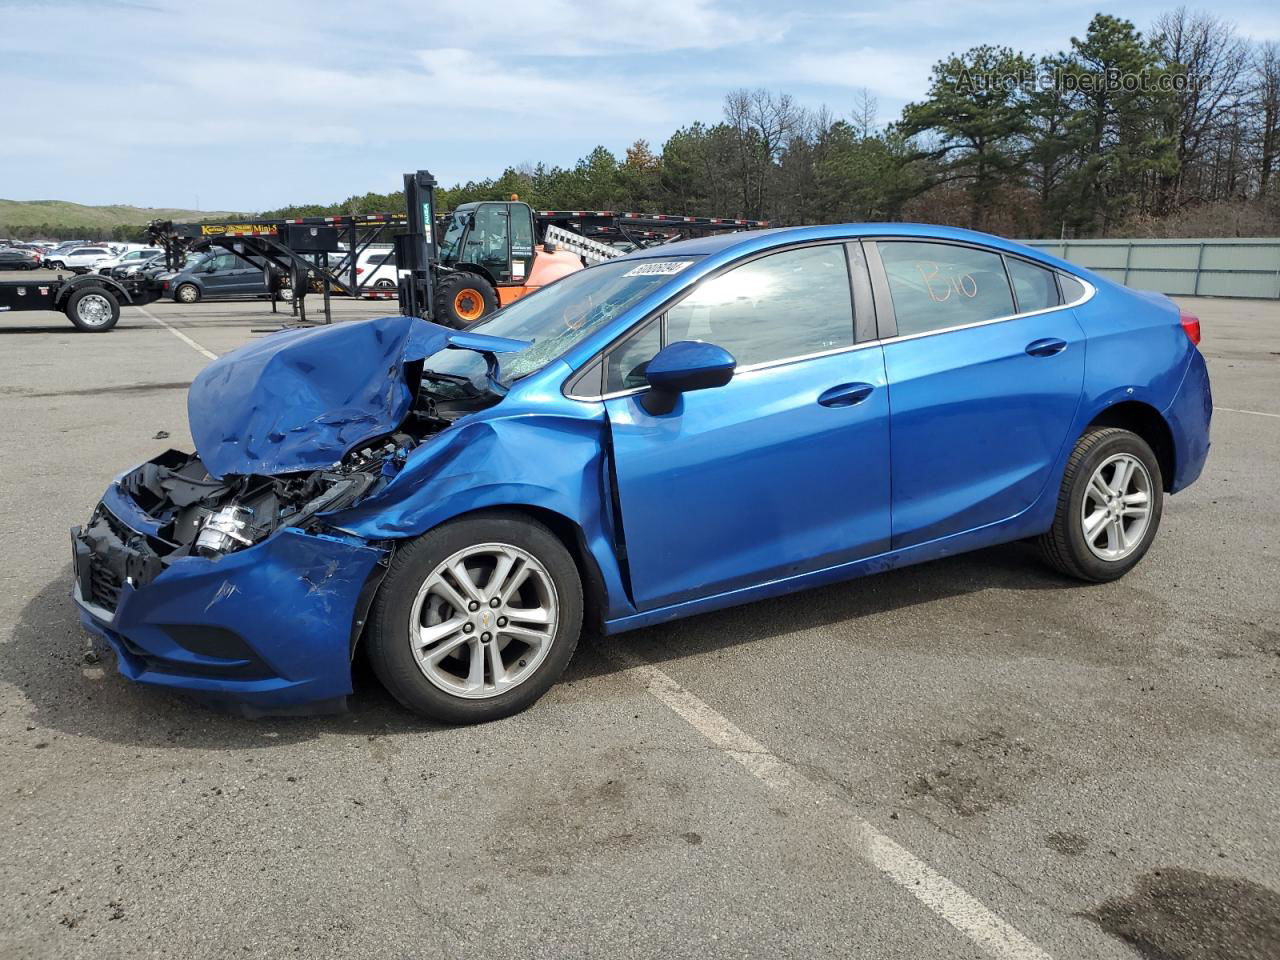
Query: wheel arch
column 1148, row 423
column 475, row 268
column 111, row 285
column 565, row 529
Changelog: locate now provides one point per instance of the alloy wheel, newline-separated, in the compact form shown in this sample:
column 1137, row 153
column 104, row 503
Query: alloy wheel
column 1116, row 511
column 94, row 310
column 484, row 620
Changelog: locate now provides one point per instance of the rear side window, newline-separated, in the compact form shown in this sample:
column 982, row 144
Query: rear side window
column 788, row 304
column 940, row 285
column 1035, row 287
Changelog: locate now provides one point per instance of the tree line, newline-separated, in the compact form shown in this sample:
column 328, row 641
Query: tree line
column 1175, row 131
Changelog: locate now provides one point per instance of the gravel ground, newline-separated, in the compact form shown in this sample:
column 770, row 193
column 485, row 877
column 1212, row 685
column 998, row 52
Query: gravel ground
column 1096, row 766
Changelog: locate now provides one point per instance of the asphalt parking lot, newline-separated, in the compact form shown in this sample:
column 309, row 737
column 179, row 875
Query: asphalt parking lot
column 969, row 758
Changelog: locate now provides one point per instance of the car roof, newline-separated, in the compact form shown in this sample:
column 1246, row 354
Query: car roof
column 731, row 245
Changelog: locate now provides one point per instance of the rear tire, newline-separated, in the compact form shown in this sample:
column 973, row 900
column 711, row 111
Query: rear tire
column 187, row 293
column 462, row 298
column 93, row 309
column 1109, row 507
column 409, row 626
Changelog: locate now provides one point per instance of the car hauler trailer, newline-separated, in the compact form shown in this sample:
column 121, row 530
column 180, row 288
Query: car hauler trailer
column 90, row 302
column 453, row 268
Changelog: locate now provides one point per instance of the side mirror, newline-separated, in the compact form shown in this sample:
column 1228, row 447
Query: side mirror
column 684, row 366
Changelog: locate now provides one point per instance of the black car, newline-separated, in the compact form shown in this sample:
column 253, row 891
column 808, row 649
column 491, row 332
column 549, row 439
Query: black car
column 14, row 258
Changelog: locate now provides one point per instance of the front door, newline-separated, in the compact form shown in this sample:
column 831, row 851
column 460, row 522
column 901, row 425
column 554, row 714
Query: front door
column 782, row 471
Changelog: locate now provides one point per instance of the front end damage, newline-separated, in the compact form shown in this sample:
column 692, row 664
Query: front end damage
column 231, row 585
column 230, row 589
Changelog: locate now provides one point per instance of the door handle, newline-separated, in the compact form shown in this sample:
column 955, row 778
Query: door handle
column 1046, row 347
column 845, row 394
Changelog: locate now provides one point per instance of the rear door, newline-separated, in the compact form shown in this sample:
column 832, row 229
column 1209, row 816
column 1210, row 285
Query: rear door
column 983, row 387
column 782, row 471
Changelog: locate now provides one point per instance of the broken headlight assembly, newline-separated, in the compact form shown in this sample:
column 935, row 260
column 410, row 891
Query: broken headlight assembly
column 199, row 515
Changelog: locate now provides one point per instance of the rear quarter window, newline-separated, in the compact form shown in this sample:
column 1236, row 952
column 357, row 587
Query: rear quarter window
column 1072, row 289
column 1035, row 286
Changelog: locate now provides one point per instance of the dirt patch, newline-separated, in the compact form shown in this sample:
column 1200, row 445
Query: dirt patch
column 974, row 773
column 1179, row 914
column 1067, row 844
column 1267, row 641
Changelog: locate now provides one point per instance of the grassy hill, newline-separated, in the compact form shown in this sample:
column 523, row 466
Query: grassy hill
column 32, row 213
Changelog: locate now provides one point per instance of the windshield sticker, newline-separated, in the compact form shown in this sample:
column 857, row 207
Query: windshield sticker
column 660, row 268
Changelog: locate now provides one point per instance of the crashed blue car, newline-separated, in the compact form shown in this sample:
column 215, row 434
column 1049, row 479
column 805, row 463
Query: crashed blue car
column 682, row 429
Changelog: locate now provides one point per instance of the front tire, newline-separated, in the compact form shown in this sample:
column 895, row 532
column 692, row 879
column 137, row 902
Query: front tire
column 463, row 297
column 1109, row 507
column 476, row 619
column 187, row 293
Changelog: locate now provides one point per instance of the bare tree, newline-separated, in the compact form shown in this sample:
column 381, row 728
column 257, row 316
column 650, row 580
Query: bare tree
column 865, row 114
column 1264, row 99
column 1213, row 57
column 762, row 123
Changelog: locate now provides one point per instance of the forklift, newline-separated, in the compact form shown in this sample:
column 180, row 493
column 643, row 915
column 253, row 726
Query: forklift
column 453, row 269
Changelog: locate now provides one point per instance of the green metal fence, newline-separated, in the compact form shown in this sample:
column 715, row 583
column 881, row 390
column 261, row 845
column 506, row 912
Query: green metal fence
column 1210, row 267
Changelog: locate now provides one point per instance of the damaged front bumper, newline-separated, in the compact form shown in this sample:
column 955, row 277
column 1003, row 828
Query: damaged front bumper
column 267, row 628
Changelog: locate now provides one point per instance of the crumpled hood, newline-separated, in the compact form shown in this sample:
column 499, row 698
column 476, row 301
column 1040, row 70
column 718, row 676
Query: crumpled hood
column 301, row 399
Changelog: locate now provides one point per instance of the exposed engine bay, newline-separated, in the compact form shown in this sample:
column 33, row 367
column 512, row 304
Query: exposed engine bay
column 194, row 513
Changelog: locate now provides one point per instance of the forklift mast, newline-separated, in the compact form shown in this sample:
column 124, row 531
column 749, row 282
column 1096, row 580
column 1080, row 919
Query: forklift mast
column 416, row 251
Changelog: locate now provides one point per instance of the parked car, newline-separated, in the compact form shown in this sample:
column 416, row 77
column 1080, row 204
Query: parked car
column 682, row 429
column 376, row 268
column 79, row 259
column 14, row 258
column 128, row 258
column 216, row 275
column 134, row 268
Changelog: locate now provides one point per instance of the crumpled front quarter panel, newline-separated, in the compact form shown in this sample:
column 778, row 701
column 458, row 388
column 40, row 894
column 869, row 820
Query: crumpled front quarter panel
column 548, row 455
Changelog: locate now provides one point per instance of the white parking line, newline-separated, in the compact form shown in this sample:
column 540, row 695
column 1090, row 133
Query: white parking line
column 950, row 902
column 1256, row 413
column 178, row 333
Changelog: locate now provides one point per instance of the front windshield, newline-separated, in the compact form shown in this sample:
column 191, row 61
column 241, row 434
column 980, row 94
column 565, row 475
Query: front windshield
column 449, row 244
column 559, row 316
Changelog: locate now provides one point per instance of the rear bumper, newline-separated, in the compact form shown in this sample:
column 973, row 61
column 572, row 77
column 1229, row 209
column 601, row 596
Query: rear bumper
column 1189, row 417
column 265, row 629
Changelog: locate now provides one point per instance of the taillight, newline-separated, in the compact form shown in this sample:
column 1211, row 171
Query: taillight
column 359, row 270
column 1191, row 325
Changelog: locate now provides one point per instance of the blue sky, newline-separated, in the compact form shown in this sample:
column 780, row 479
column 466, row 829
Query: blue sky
column 237, row 105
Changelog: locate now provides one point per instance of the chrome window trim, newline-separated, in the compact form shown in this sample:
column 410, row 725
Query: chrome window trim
column 750, row 368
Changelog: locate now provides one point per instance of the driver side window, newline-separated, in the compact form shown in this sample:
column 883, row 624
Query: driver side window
column 789, row 304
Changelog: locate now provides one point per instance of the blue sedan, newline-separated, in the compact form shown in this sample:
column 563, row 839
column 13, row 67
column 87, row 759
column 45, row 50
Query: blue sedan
column 686, row 428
